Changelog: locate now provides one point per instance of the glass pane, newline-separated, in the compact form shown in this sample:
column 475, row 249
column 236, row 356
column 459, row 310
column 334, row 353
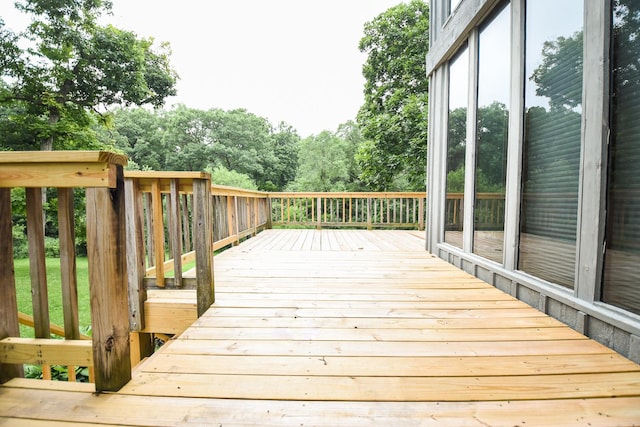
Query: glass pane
column 456, row 145
column 494, row 65
column 551, row 163
column 622, row 257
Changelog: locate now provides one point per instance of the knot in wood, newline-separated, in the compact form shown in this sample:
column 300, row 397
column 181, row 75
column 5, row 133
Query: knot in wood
column 110, row 343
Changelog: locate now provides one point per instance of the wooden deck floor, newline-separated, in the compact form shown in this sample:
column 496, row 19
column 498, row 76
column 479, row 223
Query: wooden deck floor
column 353, row 328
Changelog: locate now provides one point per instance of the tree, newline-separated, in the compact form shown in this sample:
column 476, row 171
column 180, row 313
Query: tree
column 138, row 132
column 394, row 115
column 285, row 148
column 324, row 164
column 73, row 66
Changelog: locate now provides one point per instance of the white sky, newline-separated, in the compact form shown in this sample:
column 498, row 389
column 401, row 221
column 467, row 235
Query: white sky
column 286, row 60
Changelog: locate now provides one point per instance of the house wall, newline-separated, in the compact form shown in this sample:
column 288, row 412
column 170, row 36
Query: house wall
column 577, row 302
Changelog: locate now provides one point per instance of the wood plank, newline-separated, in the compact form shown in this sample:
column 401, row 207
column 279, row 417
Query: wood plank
column 382, row 366
column 427, row 313
column 406, row 335
column 59, row 175
column 143, row 411
column 388, row 348
column 40, row 351
column 377, row 323
column 395, row 389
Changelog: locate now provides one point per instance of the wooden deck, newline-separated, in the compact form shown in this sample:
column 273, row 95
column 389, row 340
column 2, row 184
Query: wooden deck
column 353, row 328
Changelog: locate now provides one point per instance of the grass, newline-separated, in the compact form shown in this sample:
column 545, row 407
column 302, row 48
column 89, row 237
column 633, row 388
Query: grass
column 54, row 289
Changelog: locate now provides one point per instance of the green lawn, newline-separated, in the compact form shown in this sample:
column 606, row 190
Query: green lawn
column 23, row 286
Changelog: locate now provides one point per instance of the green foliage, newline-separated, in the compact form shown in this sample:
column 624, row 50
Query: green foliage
column 73, row 66
column 394, row 115
column 222, row 176
column 54, row 289
column 190, row 139
column 58, row 373
column 323, row 164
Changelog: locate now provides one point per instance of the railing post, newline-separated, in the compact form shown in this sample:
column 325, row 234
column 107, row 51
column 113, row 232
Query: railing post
column 106, row 244
column 203, row 243
column 319, row 213
column 369, row 218
column 421, row 213
column 9, row 326
column 269, row 208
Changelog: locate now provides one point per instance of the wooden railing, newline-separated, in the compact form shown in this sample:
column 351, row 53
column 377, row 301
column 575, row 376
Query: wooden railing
column 175, row 219
column 358, row 210
column 101, row 175
column 152, row 230
column 238, row 214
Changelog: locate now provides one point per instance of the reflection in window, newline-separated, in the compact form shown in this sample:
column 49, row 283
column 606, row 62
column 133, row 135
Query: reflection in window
column 550, row 175
column 622, row 256
column 456, row 144
column 494, row 65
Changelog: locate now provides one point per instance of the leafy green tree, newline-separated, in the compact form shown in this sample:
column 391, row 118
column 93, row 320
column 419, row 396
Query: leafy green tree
column 394, row 114
column 242, row 142
column 324, row 164
column 285, row 149
column 138, row 132
column 223, row 176
column 73, row 66
column 350, row 133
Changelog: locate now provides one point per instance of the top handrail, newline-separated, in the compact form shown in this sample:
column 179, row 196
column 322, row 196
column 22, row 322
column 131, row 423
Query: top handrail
column 60, row 169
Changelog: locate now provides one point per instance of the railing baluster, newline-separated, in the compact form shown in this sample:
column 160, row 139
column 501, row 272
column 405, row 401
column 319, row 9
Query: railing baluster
column 175, row 229
column 158, row 231
column 66, row 227
column 37, row 266
column 9, row 325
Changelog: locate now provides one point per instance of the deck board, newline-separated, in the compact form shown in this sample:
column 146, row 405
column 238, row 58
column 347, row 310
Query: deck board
column 343, row 327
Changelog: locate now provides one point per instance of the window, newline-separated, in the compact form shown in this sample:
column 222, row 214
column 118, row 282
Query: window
column 494, row 69
column 622, row 257
column 551, row 159
column 456, row 145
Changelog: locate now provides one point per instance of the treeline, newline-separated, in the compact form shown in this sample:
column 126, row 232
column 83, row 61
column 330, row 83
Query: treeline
column 238, row 148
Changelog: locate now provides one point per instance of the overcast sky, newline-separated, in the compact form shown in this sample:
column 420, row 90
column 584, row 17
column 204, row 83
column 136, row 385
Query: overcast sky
column 286, row 60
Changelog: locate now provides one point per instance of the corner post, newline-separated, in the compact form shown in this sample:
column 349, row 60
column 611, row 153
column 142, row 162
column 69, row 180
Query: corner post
column 203, row 243
column 106, row 243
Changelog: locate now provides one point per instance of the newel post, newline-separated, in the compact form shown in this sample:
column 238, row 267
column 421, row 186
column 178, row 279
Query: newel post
column 106, row 244
column 203, row 243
